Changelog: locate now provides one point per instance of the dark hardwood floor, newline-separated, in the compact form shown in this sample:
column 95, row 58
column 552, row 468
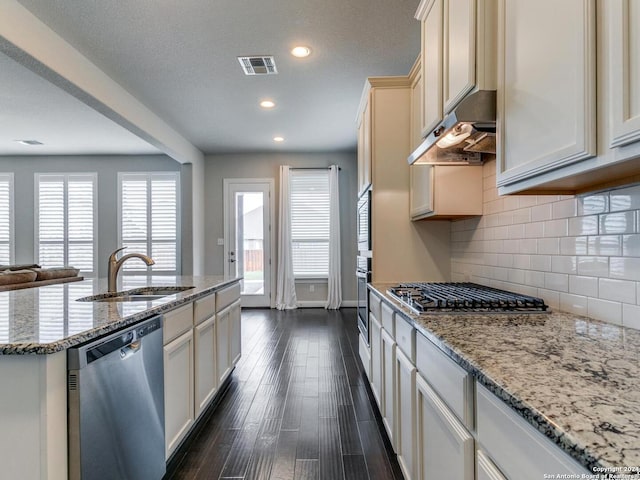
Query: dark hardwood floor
column 296, row 407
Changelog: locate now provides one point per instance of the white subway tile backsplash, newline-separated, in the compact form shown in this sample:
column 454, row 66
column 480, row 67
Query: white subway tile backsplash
column 573, row 245
column 549, row 246
column 541, row 212
column 631, row 316
column 583, row 225
column 621, row 222
column 605, row 310
column 593, row 266
column 564, row 208
column 609, row 245
column 575, row 304
column 556, row 281
column 592, row 204
column 625, row 198
column 579, row 253
column 626, row 268
column 587, row 286
column 563, row 264
column 617, row 290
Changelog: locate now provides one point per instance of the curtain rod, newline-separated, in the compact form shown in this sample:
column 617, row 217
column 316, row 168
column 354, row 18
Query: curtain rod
column 312, row 168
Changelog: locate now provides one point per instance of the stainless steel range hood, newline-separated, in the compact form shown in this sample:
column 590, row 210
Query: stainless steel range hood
column 464, row 134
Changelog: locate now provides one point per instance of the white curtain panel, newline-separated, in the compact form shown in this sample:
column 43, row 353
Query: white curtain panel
column 286, row 285
column 334, row 294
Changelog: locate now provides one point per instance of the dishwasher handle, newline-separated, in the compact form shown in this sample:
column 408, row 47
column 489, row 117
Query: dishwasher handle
column 127, row 341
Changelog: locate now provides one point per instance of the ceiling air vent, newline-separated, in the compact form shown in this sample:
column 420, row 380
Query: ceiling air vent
column 258, row 65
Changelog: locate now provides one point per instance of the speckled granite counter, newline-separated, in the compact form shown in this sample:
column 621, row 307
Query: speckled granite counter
column 575, row 379
column 49, row 319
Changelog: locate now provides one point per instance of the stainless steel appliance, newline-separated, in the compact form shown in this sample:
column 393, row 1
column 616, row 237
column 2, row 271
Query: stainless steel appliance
column 464, row 297
column 364, row 223
column 116, row 405
column 363, row 276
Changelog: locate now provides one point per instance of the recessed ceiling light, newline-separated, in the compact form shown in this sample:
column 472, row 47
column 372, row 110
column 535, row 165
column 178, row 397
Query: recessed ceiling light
column 278, row 139
column 301, row 52
column 267, row 104
column 29, row 142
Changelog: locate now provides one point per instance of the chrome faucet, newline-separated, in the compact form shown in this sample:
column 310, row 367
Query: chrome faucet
column 115, row 265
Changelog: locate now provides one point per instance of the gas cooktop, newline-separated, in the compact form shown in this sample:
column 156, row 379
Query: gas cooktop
column 464, row 297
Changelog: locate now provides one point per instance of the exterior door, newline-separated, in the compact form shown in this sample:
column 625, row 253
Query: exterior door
column 248, row 241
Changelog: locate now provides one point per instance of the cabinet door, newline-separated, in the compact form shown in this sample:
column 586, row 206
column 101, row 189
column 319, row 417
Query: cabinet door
column 376, row 359
column 485, row 468
column 459, row 62
column 445, row 448
column 235, row 343
column 406, row 415
column 366, row 150
column 223, row 357
column 432, row 65
column 546, row 86
column 360, row 155
column 417, row 105
column 624, row 74
column 205, row 363
column 178, row 390
column 388, row 409
column 422, row 189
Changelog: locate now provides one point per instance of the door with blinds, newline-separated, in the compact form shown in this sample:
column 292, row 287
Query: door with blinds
column 248, row 215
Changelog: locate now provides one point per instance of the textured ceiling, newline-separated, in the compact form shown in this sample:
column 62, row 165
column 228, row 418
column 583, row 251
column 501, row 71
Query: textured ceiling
column 179, row 59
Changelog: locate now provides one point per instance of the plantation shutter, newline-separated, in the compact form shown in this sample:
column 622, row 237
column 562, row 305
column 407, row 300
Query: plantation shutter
column 66, row 221
column 149, row 219
column 310, row 223
column 6, row 218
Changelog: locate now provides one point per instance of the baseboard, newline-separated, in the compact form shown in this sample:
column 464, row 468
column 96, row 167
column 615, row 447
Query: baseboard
column 322, row 303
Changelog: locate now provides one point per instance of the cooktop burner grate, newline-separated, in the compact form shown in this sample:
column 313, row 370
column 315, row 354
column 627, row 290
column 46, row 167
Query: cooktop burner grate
column 464, row 297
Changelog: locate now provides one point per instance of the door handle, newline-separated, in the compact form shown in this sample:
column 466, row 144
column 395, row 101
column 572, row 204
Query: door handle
column 231, row 260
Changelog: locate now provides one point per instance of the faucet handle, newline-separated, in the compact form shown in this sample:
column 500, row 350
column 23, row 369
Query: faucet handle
column 112, row 257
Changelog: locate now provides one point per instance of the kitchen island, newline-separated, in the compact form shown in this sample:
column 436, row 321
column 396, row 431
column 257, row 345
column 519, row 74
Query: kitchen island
column 574, row 380
column 38, row 325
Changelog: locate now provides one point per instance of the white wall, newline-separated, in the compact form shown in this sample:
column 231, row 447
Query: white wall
column 257, row 165
column 107, row 168
column 581, row 254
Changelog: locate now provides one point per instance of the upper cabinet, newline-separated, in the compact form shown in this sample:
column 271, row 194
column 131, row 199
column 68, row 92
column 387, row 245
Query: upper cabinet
column 568, row 103
column 364, row 149
column 458, row 53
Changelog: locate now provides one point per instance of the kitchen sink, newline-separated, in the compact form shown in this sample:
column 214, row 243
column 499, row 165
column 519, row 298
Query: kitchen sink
column 142, row 294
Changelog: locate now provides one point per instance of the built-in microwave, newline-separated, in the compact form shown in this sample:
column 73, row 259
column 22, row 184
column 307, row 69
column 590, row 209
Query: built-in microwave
column 364, row 222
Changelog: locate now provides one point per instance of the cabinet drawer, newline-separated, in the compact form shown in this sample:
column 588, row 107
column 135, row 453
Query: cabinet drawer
column 406, row 337
column 518, row 449
column 388, row 322
column 374, row 305
column 449, row 380
column 177, row 322
column 227, row 296
column 204, row 308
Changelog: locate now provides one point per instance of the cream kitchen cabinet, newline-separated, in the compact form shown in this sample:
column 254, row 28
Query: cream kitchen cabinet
column 445, row 192
column 364, row 149
column 406, row 414
column 206, row 380
column 388, row 407
column 179, row 412
column 417, row 103
column 445, row 447
column 228, row 338
column 375, row 333
column 568, row 104
column 485, row 469
column 458, row 53
column 235, row 339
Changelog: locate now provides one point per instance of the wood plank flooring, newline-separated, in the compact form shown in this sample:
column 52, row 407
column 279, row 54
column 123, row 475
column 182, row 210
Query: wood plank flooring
column 297, row 407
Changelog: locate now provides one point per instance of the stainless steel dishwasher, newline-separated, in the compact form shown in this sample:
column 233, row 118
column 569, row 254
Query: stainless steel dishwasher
column 116, row 405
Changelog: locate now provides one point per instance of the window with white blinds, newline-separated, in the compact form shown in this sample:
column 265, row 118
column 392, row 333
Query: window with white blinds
column 309, row 190
column 149, row 220
column 66, row 221
column 6, row 218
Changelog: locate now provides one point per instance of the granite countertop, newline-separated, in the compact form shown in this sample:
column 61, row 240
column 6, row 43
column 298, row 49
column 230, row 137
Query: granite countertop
column 49, row 319
column 575, row 379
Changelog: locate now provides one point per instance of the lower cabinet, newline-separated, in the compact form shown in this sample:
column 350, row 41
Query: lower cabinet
column 445, row 448
column 235, row 339
column 206, row 380
column 223, row 330
column 388, row 408
column 406, row 418
column 485, row 469
column 375, row 330
column 178, row 390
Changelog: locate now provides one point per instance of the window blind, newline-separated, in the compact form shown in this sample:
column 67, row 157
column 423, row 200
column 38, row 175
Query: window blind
column 6, row 218
column 309, row 190
column 149, row 220
column 66, row 221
